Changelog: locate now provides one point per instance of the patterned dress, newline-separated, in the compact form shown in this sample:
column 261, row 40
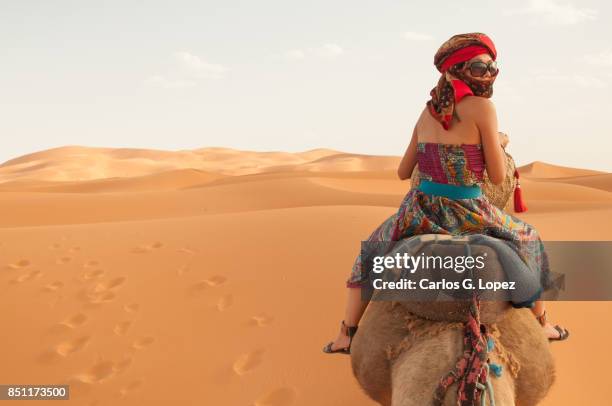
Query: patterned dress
column 421, row 213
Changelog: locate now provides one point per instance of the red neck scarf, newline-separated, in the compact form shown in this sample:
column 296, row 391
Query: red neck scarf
column 447, row 93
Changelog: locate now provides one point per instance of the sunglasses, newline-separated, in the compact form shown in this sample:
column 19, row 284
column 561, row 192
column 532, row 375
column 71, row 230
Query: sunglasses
column 478, row 68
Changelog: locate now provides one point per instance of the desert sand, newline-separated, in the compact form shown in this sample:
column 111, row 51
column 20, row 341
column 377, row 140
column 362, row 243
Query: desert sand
column 214, row 276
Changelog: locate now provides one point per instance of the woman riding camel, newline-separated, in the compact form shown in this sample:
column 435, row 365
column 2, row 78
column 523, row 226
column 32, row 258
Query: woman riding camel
column 454, row 141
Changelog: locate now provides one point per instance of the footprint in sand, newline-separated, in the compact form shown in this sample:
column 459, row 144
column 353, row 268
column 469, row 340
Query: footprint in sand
column 68, row 347
column 63, row 260
column 247, row 362
column 96, row 296
column 131, row 387
column 141, row 249
column 278, row 397
column 199, row 287
column 26, row 277
column 91, row 263
column 102, row 292
column 260, row 320
column 101, row 371
column 185, row 251
column 75, row 249
column 102, row 297
column 213, row 281
column 89, row 275
column 122, row 328
column 22, row 263
column 114, row 283
column 143, row 343
column 225, row 303
column 75, row 321
column 54, row 286
column 131, row 308
column 62, row 350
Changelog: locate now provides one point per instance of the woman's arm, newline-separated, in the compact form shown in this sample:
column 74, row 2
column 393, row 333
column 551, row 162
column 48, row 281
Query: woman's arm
column 485, row 117
column 408, row 162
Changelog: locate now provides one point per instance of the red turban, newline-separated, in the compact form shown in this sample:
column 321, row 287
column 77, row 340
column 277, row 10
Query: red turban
column 463, row 47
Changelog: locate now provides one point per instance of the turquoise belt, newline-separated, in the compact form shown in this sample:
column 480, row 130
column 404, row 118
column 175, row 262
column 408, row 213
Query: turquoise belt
column 450, row 191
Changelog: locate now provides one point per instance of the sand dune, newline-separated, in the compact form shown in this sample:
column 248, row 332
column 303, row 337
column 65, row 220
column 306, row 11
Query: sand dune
column 161, row 181
column 544, row 170
column 345, row 163
column 78, row 163
column 545, row 189
column 131, row 271
column 603, row 181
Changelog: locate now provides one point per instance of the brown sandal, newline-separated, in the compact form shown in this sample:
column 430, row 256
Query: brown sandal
column 350, row 332
column 563, row 333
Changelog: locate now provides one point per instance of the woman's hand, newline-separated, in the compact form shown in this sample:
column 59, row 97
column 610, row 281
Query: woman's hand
column 503, row 139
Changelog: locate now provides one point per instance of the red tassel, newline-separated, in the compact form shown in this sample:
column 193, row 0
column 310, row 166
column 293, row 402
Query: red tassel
column 519, row 204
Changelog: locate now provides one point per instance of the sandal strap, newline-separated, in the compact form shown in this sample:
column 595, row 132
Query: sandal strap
column 542, row 318
column 563, row 333
column 350, row 330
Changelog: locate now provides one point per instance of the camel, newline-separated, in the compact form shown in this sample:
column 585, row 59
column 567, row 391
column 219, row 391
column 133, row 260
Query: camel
column 404, row 348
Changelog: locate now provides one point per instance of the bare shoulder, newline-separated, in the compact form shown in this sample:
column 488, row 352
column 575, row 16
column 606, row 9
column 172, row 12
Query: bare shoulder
column 474, row 105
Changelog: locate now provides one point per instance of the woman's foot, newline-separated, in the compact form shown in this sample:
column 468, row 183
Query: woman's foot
column 553, row 333
column 342, row 343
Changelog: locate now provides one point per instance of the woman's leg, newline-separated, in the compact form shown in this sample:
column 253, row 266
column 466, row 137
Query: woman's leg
column 355, row 307
column 538, row 310
column 355, row 304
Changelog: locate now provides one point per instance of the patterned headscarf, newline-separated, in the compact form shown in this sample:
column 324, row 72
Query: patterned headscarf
column 459, row 48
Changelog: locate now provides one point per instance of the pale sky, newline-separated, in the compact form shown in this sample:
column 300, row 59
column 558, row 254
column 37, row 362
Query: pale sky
column 295, row 75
